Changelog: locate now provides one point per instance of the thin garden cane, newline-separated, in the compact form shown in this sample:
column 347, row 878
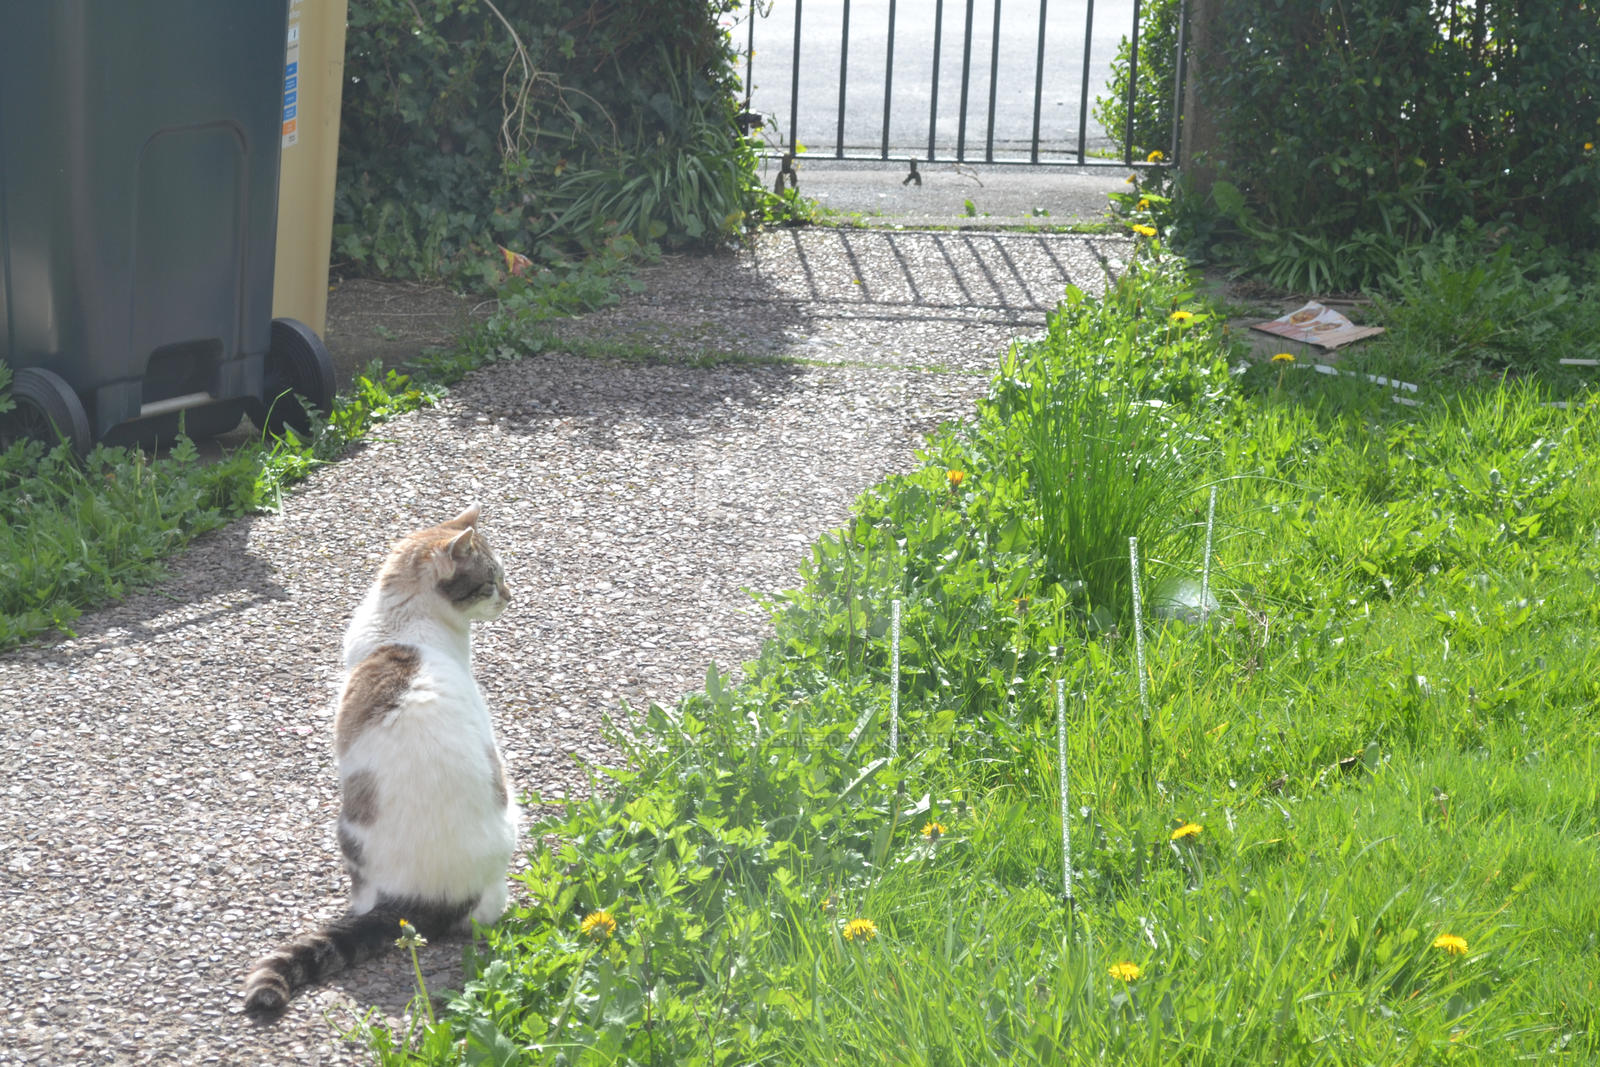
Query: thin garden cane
column 1138, row 650
column 1061, row 758
column 894, row 680
column 1205, row 564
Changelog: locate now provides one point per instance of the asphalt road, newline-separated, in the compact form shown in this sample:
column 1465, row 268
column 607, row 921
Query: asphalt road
column 911, row 97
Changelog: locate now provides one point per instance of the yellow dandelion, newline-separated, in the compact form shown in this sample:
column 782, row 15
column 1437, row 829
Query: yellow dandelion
column 935, row 830
column 1126, row 970
column 1181, row 316
column 1456, row 946
column 409, row 938
column 955, row 478
column 1130, row 179
column 1146, row 231
column 1283, row 357
column 1588, row 146
column 1188, row 829
column 863, row 930
column 598, row 925
column 1154, row 157
column 1144, row 205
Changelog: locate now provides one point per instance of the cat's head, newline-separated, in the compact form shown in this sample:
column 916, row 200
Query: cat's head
column 449, row 566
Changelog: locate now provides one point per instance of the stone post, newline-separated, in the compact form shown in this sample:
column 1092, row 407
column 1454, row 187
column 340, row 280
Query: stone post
column 1197, row 139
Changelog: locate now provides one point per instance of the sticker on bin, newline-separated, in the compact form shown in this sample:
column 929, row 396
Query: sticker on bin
column 291, row 91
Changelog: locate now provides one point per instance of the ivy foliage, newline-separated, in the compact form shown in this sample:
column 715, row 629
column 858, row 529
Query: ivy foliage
column 542, row 126
column 1156, row 71
column 1347, row 131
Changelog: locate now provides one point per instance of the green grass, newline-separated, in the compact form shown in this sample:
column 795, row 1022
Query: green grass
column 1388, row 732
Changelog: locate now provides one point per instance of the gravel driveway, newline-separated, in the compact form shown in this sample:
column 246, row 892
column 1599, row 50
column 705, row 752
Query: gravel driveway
column 167, row 797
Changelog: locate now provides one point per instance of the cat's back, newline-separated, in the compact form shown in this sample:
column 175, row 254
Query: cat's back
column 426, row 805
column 404, row 694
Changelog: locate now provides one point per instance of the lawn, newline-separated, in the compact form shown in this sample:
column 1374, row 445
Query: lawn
column 1351, row 815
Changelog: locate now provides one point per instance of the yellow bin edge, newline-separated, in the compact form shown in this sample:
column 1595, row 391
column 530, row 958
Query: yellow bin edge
column 313, row 86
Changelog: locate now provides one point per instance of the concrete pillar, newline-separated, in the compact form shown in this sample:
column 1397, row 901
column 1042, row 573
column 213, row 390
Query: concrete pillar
column 1197, row 137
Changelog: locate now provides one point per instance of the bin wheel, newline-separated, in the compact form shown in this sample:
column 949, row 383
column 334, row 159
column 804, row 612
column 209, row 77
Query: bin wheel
column 297, row 365
column 47, row 409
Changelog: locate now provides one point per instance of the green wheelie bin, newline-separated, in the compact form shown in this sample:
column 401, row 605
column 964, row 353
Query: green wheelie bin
column 139, row 149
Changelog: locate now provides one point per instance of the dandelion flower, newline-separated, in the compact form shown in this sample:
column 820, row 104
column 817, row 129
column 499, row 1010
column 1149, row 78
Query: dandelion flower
column 1456, row 946
column 1144, row 204
column 1147, row 231
column 933, row 829
column 955, row 478
column 1154, row 157
column 409, row 938
column 1126, row 970
column 863, row 930
column 1588, row 146
column 1130, row 179
column 598, row 925
column 1188, row 829
column 1182, row 316
column 1283, row 357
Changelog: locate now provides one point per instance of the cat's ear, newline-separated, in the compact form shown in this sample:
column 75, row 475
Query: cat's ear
column 464, row 521
column 461, row 544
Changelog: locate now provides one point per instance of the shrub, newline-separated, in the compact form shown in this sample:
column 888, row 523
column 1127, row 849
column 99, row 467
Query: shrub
column 1465, row 305
column 1487, row 112
column 539, row 125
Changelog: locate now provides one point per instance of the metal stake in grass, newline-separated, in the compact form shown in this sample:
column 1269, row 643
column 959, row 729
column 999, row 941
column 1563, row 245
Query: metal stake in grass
column 1205, row 565
column 1138, row 627
column 894, row 679
column 1061, row 758
column 1138, row 652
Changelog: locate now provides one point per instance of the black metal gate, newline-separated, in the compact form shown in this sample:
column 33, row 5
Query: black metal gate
column 940, row 147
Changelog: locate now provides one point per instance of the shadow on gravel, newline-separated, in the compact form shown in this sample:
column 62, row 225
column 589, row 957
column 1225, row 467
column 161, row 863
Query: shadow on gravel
column 602, row 400
column 710, row 334
column 216, row 576
column 944, row 275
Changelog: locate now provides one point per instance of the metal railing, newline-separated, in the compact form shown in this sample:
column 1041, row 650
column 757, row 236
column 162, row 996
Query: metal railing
column 961, row 151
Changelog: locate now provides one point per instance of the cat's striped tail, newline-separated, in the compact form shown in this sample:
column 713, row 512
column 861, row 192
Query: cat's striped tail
column 344, row 942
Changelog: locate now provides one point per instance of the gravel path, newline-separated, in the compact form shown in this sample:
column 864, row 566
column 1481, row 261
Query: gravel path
column 167, row 795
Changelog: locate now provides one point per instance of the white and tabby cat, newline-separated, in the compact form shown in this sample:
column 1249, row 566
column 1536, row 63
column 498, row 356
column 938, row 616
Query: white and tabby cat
column 427, row 824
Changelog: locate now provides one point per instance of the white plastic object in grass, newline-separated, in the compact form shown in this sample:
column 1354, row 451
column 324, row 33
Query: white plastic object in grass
column 1182, row 599
column 1185, row 600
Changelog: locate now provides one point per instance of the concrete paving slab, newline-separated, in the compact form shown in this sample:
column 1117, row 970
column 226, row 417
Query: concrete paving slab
column 999, row 196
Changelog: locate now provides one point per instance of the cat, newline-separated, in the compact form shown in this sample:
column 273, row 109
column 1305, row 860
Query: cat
column 427, row 824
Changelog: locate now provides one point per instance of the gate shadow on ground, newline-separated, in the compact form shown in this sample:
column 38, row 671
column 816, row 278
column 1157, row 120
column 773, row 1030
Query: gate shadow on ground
column 737, row 329
column 998, row 275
